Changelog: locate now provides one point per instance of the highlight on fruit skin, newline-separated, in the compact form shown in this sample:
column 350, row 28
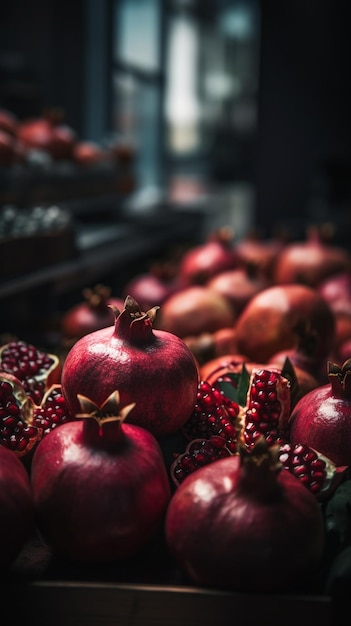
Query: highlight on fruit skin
column 151, row 367
column 258, row 513
column 100, row 485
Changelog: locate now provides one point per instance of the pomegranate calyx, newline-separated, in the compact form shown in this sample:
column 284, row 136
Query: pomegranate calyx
column 97, row 297
column 340, row 378
column 261, row 456
column 132, row 323
column 108, row 411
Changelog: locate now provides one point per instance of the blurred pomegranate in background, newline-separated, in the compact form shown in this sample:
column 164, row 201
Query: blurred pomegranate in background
column 238, row 285
column 272, row 320
column 194, row 310
column 215, row 255
column 49, row 134
column 91, row 314
column 311, row 261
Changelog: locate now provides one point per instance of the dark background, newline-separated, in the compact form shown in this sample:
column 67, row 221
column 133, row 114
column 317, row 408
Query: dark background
column 301, row 162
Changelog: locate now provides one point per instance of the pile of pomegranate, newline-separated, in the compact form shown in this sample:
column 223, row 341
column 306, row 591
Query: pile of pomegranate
column 218, row 422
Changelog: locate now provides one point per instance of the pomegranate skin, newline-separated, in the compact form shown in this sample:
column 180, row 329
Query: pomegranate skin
column 16, row 507
column 194, row 310
column 97, row 498
column 153, row 368
column 270, row 321
column 225, row 537
column 322, row 420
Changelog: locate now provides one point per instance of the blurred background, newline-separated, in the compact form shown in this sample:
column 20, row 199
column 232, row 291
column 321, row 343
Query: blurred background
column 194, row 112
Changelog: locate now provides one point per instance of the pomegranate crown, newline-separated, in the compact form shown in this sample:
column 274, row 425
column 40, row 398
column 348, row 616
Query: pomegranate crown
column 109, row 411
column 340, row 378
column 134, row 324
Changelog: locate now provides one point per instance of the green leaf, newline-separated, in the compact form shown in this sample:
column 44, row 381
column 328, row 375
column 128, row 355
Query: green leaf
column 236, row 385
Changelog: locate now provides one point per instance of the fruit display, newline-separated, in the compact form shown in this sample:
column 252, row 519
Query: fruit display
column 216, row 470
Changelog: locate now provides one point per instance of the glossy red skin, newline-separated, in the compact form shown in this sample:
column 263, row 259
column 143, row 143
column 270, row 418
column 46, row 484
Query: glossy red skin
column 98, row 502
column 323, row 421
column 16, row 507
column 160, row 376
column 268, row 323
column 225, row 539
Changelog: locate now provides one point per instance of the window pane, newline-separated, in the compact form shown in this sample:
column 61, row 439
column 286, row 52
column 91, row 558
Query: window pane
column 136, row 106
column 138, row 33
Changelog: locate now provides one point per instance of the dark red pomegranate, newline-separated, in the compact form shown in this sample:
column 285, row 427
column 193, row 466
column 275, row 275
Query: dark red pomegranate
column 311, row 261
column 272, row 320
column 261, row 252
column 153, row 368
column 16, row 507
column 230, row 523
column 100, row 485
column 239, row 285
column 150, row 289
column 322, row 418
column 195, row 310
column 93, row 313
column 201, row 262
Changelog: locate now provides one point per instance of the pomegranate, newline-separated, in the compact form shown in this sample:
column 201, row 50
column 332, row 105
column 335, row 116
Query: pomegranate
column 153, row 368
column 89, row 153
column 22, row 422
column 201, row 262
column 48, row 133
column 195, row 310
column 100, row 486
column 255, row 250
column 16, row 507
column 35, row 368
column 311, row 261
column 241, row 408
column 302, row 355
column 150, row 289
column 336, row 289
column 272, row 320
column 93, row 313
column 229, row 524
column 238, row 285
column 208, row 346
column 322, row 418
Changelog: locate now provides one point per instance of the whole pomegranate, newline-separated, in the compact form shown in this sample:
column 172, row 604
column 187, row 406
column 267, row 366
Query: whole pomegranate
column 194, row 310
column 93, row 313
column 153, row 368
column 230, row 524
column 201, row 262
column 100, row 486
column 16, row 507
column 322, row 418
column 239, row 285
column 311, row 261
column 273, row 319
